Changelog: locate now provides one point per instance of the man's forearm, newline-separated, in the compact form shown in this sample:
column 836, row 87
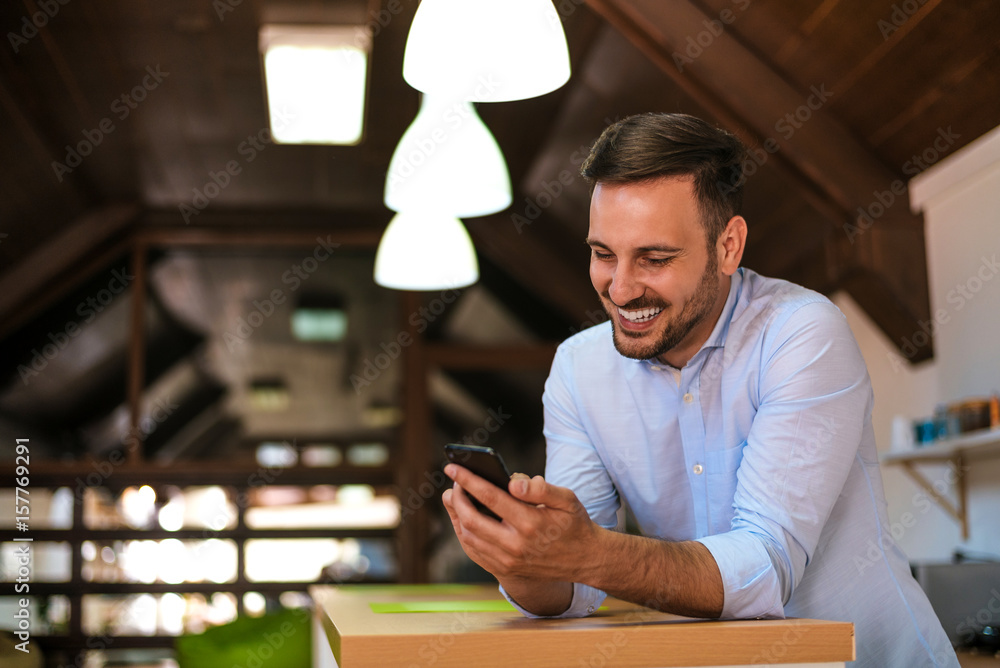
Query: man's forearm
column 681, row 578
column 545, row 598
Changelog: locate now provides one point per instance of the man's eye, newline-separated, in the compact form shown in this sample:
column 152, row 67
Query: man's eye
column 659, row 261
column 602, row 256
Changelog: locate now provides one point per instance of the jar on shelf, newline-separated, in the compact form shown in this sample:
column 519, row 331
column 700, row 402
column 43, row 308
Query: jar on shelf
column 972, row 414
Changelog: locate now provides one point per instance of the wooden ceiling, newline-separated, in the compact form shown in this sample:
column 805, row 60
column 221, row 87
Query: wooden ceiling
column 881, row 89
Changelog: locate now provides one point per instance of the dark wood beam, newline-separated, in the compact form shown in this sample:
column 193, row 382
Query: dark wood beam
column 34, row 117
column 237, row 473
column 367, row 237
column 86, row 246
column 492, row 358
column 413, row 536
column 793, row 130
column 136, row 370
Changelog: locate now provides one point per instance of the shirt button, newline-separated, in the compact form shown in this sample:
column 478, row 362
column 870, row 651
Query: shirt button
column 698, row 469
column 688, row 398
column 590, row 608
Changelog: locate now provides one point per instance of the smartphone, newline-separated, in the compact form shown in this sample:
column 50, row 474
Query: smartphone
column 485, row 463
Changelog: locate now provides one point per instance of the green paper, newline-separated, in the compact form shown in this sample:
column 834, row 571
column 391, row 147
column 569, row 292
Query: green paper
column 409, row 590
column 493, row 605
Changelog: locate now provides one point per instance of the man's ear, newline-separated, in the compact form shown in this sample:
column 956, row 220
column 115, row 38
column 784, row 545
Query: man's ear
column 731, row 244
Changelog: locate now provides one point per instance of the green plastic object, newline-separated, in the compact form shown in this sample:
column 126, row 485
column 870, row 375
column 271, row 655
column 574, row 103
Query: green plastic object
column 491, row 605
column 278, row 640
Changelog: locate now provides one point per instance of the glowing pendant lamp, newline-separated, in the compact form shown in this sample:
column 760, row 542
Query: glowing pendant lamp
column 447, row 160
column 425, row 250
column 486, row 50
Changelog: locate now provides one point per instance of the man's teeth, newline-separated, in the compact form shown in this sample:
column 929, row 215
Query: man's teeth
column 640, row 315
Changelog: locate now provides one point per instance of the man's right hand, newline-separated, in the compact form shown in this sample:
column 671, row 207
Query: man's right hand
column 538, row 546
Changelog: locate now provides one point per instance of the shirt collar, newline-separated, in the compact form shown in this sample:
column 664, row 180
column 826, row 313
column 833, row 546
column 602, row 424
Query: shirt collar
column 717, row 339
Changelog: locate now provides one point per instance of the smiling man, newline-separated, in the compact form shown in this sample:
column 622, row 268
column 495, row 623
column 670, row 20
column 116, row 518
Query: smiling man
column 730, row 412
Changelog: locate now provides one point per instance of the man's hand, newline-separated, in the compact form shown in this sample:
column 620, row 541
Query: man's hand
column 544, row 532
column 546, row 541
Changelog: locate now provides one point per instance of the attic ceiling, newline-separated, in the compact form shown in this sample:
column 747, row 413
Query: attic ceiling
column 838, row 98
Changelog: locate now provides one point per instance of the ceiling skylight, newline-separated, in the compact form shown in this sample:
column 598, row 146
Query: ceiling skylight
column 316, row 78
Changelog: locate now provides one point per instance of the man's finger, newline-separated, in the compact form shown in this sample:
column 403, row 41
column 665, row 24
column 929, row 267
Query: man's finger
column 491, row 496
column 448, row 502
column 538, row 492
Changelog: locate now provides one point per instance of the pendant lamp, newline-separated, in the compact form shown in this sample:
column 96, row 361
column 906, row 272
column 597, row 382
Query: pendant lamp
column 448, row 160
column 486, row 50
column 425, row 250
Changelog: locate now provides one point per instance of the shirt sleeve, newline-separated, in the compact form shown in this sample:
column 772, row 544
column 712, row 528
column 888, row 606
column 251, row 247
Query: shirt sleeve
column 814, row 397
column 585, row 601
column 573, row 462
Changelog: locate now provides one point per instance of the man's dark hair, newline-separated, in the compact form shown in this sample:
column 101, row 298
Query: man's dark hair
column 649, row 146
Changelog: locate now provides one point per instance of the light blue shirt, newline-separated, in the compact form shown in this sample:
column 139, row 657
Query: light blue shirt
column 761, row 448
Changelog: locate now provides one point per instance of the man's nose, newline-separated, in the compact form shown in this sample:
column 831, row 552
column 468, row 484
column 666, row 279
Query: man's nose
column 624, row 286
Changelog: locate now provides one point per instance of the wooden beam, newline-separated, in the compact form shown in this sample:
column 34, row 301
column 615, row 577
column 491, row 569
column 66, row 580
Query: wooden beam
column 33, row 114
column 414, row 528
column 490, row 358
column 78, row 475
column 749, row 96
column 872, row 293
column 86, row 246
column 648, row 39
column 838, row 174
column 366, row 237
column 136, row 380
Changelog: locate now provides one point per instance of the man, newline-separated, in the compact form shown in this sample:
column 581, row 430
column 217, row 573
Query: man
column 730, row 412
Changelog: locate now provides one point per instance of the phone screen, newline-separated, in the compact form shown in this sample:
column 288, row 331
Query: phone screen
column 485, row 463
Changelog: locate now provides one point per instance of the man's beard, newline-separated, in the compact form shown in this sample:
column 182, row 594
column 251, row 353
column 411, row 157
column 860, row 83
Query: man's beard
column 629, row 344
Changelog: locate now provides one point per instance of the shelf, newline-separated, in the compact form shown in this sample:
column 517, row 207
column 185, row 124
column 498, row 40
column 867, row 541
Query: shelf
column 973, row 445
column 959, row 451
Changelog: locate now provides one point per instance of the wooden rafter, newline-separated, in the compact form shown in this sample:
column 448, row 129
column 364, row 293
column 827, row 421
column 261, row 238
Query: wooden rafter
column 837, row 173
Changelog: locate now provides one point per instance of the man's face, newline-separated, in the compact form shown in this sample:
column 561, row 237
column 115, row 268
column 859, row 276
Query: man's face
column 651, row 266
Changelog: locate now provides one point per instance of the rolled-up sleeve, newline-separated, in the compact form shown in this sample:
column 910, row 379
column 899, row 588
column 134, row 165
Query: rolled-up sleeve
column 586, row 600
column 814, row 396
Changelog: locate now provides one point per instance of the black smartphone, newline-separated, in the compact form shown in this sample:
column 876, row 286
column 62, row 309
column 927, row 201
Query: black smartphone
column 485, row 463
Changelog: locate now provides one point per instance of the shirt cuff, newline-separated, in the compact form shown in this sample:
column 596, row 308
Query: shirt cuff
column 586, row 600
column 751, row 583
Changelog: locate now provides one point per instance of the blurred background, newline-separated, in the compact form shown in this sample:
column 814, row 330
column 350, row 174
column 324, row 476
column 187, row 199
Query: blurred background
column 223, row 408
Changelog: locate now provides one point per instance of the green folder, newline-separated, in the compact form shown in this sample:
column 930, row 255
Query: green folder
column 492, row 605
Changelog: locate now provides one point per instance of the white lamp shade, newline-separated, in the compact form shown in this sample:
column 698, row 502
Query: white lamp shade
column 424, row 250
column 486, row 50
column 447, row 160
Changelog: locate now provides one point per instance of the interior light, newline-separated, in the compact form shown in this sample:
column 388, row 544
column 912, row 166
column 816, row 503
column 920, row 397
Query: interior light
column 276, row 455
column 486, row 51
column 269, row 395
column 315, row 78
column 138, row 505
column 321, row 454
column 319, row 324
column 319, row 317
column 449, row 160
column 424, row 250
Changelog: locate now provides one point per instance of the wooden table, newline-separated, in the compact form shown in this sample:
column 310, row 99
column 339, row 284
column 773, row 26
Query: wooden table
column 360, row 633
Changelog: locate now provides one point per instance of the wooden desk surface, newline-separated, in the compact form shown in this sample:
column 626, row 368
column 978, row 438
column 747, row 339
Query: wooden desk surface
column 624, row 634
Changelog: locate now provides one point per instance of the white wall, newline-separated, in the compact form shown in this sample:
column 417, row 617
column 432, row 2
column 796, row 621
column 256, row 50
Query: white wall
column 960, row 199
